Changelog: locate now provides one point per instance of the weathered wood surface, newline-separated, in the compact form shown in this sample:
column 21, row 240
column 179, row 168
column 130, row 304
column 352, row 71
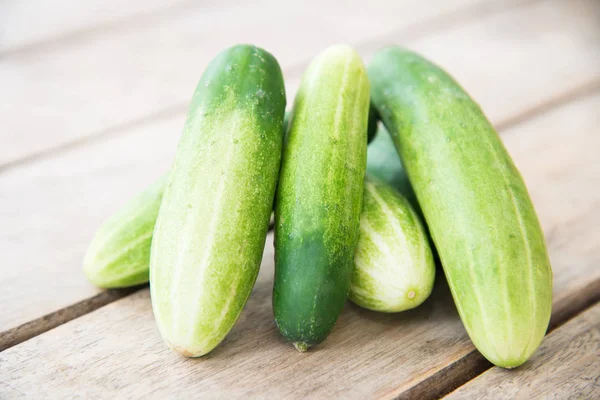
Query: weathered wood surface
column 567, row 366
column 117, row 349
column 53, row 206
column 27, row 25
column 143, row 68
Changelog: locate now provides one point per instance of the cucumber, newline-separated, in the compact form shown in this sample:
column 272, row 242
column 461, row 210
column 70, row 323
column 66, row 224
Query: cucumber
column 475, row 203
column 394, row 268
column 384, row 164
column 318, row 201
column 119, row 252
column 212, row 224
column 372, row 125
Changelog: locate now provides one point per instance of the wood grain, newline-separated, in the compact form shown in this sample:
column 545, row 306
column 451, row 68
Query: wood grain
column 112, row 77
column 116, row 350
column 567, row 366
column 52, row 207
column 26, row 25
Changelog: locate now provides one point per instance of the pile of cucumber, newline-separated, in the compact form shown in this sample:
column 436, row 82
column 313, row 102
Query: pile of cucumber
column 351, row 220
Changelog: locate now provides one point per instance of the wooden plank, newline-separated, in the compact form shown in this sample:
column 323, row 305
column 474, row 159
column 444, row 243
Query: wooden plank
column 519, row 48
column 28, row 24
column 108, row 79
column 52, row 207
column 567, row 366
column 117, row 349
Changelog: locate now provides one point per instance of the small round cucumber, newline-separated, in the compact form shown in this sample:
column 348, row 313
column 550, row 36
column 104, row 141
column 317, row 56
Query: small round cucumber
column 119, row 252
column 475, row 203
column 319, row 197
column 212, row 224
column 393, row 264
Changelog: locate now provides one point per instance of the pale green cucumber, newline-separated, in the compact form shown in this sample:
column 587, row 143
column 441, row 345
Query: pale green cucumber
column 319, row 197
column 393, row 264
column 475, row 203
column 119, row 252
column 212, row 224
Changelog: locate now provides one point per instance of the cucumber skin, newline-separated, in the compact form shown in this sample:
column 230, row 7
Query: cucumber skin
column 118, row 254
column 394, row 266
column 319, row 197
column 384, row 164
column 212, row 224
column 371, row 127
column 475, row 203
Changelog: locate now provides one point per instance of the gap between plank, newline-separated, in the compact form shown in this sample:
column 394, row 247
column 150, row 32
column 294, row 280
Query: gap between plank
column 576, row 93
column 102, row 135
column 418, row 31
column 473, row 364
column 43, row 324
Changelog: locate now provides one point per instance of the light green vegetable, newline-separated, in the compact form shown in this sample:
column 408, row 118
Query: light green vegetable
column 119, row 253
column 394, row 269
column 475, row 203
column 212, row 224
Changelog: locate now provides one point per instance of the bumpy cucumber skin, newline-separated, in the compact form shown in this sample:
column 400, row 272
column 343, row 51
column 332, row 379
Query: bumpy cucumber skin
column 372, row 126
column 118, row 254
column 475, row 203
column 319, row 197
column 394, row 268
column 213, row 220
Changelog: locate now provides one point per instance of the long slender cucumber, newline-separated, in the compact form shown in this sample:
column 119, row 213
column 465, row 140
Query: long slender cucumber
column 319, row 197
column 475, row 203
column 212, row 224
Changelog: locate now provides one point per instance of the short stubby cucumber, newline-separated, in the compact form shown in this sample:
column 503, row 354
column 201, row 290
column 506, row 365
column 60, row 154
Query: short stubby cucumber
column 319, row 197
column 212, row 224
column 475, row 203
column 119, row 252
column 393, row 264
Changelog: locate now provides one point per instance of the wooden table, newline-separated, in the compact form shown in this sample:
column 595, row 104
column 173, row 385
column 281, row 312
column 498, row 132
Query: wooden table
column 93, row 98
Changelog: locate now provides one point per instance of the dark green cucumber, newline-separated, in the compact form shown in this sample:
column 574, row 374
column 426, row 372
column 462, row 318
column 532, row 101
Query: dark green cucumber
column 212, row 224
column 475, row 203
column 319, row 197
